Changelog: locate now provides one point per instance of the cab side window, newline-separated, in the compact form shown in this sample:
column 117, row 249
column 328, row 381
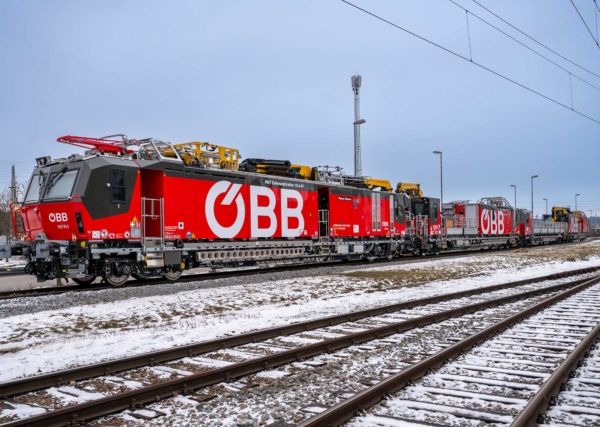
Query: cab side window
column 117, row 186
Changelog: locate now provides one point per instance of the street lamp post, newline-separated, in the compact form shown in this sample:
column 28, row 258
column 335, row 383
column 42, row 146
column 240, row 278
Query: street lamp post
column 534, row 176
column 441, row 188
column 576, row 200
column 441, row 178
column 546, row 206
column 515, row 209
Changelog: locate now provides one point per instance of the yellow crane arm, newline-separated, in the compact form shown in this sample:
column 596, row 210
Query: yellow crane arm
column 383, row 184
column 413, row 190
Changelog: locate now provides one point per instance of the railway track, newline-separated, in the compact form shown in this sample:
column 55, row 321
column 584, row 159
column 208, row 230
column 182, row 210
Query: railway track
column 506, row 374
column 127, row 384
column 44, row 291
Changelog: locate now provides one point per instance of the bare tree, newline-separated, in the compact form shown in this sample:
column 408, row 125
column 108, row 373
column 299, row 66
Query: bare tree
column 6, row 196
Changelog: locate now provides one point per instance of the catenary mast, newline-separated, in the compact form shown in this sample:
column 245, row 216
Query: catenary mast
column 356, row 82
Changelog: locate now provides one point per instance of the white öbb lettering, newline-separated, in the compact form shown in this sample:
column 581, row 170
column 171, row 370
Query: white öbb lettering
column 233, row 193
column 58, row 217
column 492, row 222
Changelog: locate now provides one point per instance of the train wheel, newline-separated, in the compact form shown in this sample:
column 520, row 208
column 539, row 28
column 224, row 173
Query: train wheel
column 86, row 280
column 117, row 280
column 173, row 275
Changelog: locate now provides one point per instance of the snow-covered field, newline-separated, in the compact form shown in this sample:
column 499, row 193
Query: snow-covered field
column 50, row 340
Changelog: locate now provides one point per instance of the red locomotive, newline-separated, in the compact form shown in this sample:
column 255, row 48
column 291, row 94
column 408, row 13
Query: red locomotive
column 150, row 208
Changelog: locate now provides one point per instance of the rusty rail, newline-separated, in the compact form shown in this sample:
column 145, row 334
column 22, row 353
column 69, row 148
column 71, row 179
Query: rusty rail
column 538, row 404
column 346, row 409
column 186, row 385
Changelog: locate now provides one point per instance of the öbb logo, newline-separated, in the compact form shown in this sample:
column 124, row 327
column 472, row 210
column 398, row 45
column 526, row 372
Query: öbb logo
column 492, row 222
column 233, row 193
column 58, row 217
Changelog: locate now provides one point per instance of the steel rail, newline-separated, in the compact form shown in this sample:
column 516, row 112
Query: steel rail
column 187, row 385
column 346, row 409
column 39, row 382
column 47, row 290
column 540, row 401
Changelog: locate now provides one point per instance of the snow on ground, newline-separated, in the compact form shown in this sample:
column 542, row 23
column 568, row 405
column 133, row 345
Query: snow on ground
column 12, row 262
column 52, row 340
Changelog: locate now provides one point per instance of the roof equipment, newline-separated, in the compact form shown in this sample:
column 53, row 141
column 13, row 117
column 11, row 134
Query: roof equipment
column 102, row 145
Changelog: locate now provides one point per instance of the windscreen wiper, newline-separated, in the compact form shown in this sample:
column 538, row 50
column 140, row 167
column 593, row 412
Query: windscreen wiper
column 56, row 177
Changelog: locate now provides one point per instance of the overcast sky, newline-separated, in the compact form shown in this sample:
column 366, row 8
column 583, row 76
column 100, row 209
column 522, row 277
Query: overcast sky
column 272, row 78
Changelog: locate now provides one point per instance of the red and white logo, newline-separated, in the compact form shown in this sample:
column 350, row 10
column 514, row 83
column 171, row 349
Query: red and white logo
column 492, row 222
column 574, row 225
column 263, row 213
column 233, row 192
column 58, row 217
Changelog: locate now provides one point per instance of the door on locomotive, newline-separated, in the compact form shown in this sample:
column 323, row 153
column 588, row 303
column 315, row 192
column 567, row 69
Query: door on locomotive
column 323, row 193
column 426, row 210
column 397, row 214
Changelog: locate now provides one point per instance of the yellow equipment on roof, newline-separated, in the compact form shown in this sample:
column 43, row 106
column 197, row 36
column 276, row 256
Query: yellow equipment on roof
column 209, row 155
column 559, row 214
column 413, row 190
column 304, row 171
column 383, row 184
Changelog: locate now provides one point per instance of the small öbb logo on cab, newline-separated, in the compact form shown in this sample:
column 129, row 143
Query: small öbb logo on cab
column 58, row 217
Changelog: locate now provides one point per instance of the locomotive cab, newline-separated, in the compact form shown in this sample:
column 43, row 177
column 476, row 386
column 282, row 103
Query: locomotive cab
column 427, row 210
column 425, row 223
column 70, row 203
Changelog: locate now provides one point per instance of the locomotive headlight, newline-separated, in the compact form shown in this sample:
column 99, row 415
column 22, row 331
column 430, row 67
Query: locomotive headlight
column 73, row 237
column 82, row 244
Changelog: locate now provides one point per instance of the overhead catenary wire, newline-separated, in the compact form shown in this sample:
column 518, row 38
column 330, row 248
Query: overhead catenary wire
column 469, row 33
column 469, row 60
column 522, row 44
column 538, row 42
column 586, row 25
column 596, row 16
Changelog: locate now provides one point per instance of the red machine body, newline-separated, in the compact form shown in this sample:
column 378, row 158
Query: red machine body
column 355, row 213
column 191, row 204
column 574, row 224
column 585, row 224
column 524, row 223
column 235, row 207
column 487, row 217
column 494, row 221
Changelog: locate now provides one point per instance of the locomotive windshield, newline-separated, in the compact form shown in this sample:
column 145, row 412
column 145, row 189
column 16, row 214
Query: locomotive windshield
column 561, row 218
column 33, row 192
column 60, row 185
column 420, row 208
